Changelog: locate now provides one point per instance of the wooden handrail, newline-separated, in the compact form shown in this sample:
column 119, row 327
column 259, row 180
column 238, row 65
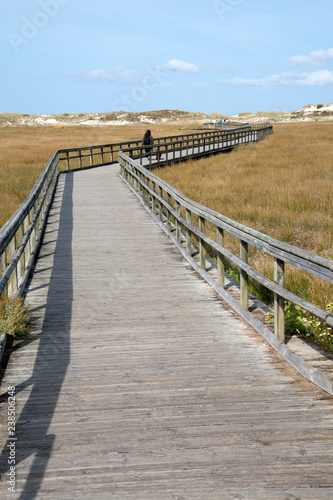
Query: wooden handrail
column 214, row 142
column 158, row 193
column 108, row 153
column 21, row 235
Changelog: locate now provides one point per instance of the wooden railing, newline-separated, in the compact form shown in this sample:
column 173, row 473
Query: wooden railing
column 191, row 147
column 184, row 221
column 230, row 125
column 174, row 212
column 216, row 125
column 93, row 156
column 21, row 235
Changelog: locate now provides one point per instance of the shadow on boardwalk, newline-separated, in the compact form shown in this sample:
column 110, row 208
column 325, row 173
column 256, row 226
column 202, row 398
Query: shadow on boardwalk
column 168, row 394
column 53, row 355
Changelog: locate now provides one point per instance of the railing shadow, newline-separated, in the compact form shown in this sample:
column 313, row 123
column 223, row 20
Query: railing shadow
column 51, row 363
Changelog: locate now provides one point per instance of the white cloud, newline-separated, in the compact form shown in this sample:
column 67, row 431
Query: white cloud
column 178, row 65
column 115, row 74
column 315, row 78
column 315, row 58
column 124, row 75
column 197, row 85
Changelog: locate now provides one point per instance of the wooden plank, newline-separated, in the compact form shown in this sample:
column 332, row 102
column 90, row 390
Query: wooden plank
column 139, row 383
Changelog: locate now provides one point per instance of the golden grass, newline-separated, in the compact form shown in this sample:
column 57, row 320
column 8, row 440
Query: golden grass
column 281, row 186
column 24, row 152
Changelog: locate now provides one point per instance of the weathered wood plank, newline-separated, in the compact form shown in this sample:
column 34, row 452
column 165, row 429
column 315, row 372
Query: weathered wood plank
column 138, row 382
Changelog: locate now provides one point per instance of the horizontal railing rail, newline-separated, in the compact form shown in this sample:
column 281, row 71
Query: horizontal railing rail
column 91, row 156
column 225, row 125
column 175, row 212
column 180, row 149
column 185, row 221
column 259, row 125
column 21, row 235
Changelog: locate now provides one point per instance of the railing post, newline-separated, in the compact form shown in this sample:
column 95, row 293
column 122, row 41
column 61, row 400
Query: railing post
column 20, row 235
column 143, row 188
column 40, row 217
column 91, row 158
column 80, row 159
column 168, row 213
column 149, row 197
column 154, row 199
column 220, row 257
column 279, row 327
column 202, row 247
column 135, row 183
column 27, row 251
column 244, row 278
column 12, row 283
column 67, row 154
column 33, row 237
column 160, row 204
column 178, row 233
column 3, row 265
column 15, row 273
column 188, row 232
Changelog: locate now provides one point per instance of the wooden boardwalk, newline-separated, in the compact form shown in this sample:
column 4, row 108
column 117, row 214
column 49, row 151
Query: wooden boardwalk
column 138, row 383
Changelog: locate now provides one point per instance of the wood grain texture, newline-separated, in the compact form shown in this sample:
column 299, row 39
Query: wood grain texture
column 138, row 383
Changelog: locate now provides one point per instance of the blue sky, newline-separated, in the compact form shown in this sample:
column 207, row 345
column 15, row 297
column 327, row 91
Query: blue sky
column 226, row 56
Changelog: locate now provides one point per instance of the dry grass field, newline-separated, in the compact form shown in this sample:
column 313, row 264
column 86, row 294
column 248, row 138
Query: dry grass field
column 24, row 152
column 281, row 186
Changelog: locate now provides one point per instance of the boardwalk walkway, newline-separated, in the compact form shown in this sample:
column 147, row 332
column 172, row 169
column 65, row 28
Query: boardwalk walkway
column 138, row 384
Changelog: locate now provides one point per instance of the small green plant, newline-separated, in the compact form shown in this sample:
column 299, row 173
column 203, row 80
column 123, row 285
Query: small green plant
column 14, row 318
column 298, row 321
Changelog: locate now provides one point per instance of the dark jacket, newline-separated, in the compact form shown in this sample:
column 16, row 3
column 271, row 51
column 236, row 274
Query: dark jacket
column 146, row 139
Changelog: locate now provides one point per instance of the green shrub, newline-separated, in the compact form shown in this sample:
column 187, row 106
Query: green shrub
column 298, row 321
column 14, row 318
column 309, row 326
